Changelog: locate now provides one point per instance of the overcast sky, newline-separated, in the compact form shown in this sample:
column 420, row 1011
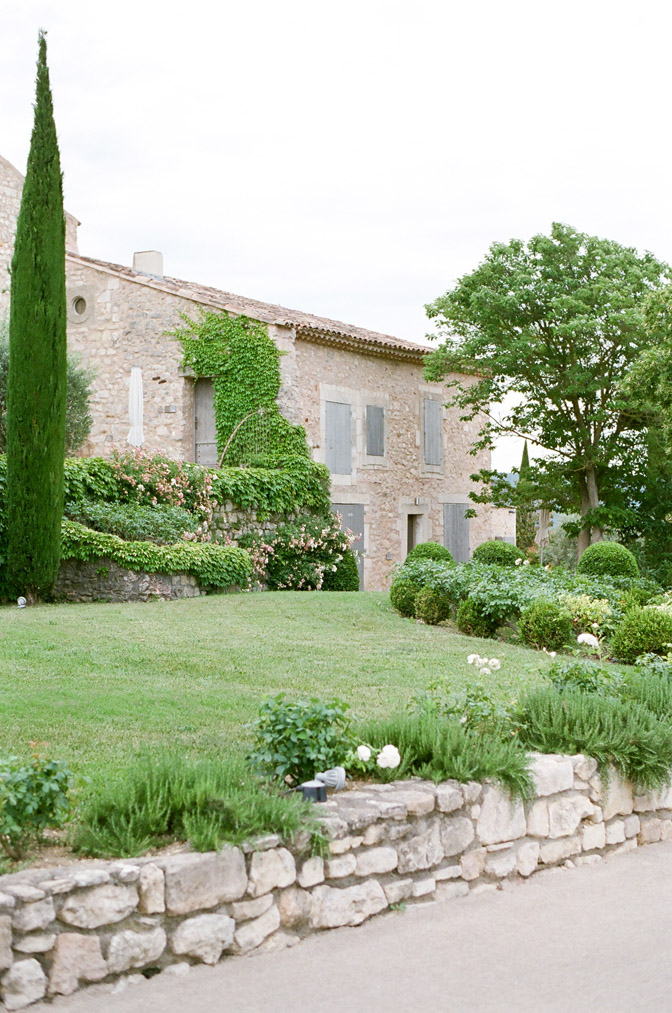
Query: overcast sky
column 349, row 159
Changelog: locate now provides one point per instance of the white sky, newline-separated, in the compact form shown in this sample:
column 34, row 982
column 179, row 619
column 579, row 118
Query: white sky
column 349, row 159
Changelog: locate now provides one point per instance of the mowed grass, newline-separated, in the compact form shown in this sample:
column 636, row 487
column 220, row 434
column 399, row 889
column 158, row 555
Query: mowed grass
column 100, row 681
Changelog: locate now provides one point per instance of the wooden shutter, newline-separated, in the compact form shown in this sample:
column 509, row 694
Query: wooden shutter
column 432, row 431
column 338, row 438
column 375, row 430
column 456, row 531
column 352, row 517
column 205, row 439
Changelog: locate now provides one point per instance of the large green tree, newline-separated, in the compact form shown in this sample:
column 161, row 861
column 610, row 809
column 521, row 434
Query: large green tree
column 550, row 328
column 36, row 388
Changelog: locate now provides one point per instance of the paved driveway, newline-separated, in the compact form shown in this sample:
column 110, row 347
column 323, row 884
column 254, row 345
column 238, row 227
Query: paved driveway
column 597, row 938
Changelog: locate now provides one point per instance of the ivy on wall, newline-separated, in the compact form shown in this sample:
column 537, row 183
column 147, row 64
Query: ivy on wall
column 244, row 363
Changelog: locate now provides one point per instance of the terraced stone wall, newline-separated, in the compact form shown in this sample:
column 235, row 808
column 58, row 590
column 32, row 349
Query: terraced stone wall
column 406, row 842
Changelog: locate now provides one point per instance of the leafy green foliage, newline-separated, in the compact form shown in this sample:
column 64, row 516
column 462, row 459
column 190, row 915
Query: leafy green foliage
column 642, row 630
column 497, row 553
column 626, row 735
column 609, row 558
column 438, row 749
column 546, row 624
column 36, row 389
column 165, row 796
column 215, row 566
column 134, row 522
column 557, row 322
column 33, row 796
column 244, row 364
column 346, row 575
column 432, row 606
column 587, row 613
column 476, row 708
column 298, row 555
column 585, row 677
column 651, row 691
column 430, row 550
column 473, row 619
column 295, row 739
column 402, row 596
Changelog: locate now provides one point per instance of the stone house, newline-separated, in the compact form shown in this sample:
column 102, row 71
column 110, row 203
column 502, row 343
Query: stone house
column 398, row 459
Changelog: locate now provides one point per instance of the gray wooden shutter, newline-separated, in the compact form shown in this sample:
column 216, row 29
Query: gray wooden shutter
column 456, row 531
column 352, row 517
column 432, row 431
column 338, row 438
column 375, row 430
column 205, row 439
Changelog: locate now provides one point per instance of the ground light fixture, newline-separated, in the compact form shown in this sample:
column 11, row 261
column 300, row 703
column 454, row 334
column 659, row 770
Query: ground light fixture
column 21, row 602
column 316, row 790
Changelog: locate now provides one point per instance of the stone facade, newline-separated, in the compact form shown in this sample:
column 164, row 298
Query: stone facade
column 402, row 843
column 105, row 580
column 118, row 318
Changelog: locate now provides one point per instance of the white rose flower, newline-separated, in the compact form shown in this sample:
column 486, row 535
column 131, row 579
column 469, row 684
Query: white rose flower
column 552, row 654
column 526, row 562
column 596, row 626
column 589, row 639
column 388, row 757
column 472, row 659
column 363, row 753
column 486, row 671
column 518, row 562
column 495, row 664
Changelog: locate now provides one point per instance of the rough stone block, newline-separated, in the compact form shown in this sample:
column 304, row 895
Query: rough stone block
column 653, row 800
column 203, row 937
column 24, row 892
column 449, row 797
column 501, row 818
column 565, row 814
column 374, row 861
column 423, row 887
column 615, row 797
column 374, row 834
column 421, row 852
column 472, row 863
column 537, row 819
column 615, row 832
column 527, row 857
column 294, row 906
column 37, row 942
column 666, row 830
column 471, row 791
column 448, row 891
column 246, row 909
column 331, row 907
column 551, row 774
column 5, row 942
column 631, row 826
column 135, row 949
column 345, row 844
column 311, row 872
column 551, row 852
column 649, row 831
column 33, row 916
column 457, row 833
column 271, row 869
column 398, row 890
column 447, row 872
column 200, row 881
column 626, row 847
column 501, row 863
column 76, row 958
column 585, row 767
column 25, row 982
column 416, row 803
column 341, row 866
column 593, row 836
column 7, row 902
column 151, row 890
column 252, row 934
column 100, row 905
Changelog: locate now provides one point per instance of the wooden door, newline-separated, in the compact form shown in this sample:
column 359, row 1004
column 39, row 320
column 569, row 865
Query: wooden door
column 205, row 438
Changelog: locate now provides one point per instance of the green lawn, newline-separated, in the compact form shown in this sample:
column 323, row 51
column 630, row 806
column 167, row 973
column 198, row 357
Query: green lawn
column 98, row 681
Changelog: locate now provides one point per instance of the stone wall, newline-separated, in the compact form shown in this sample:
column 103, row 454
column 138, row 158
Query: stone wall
column 105, row 580
column 406, row 842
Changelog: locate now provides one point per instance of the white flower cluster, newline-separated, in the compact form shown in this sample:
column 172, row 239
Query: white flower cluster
column 551, row 654
column 486, row 665
column 589, row 639
column 523, row 562
column 363, row 753
column 388, row 757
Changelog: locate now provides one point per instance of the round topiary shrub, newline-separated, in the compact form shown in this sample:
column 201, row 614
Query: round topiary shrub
column 346, row 577
column 642, row 631
column 545, row 624
column 432, row 606
column 402, row 596
column 608, row 558
column 497, row 553
column 430, row 550
column 473, row 620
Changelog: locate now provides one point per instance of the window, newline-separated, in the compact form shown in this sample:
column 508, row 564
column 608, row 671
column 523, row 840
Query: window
column 456, row 531
column 375, row 431
column 433, row 431
column 338, row 437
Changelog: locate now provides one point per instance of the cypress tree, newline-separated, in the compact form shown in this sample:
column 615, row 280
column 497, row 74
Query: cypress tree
column 36, row 385
column 525, row 494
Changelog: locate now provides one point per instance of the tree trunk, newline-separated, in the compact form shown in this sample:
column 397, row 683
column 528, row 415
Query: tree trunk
column 593, row 501
column 590, row 500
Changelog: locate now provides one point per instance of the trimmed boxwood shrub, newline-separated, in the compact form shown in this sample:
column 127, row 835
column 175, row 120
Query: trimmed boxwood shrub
column 346, row 577
column 402, row 596
column 430, row 550
column 432, row 606
column 608, row 558
column 474, row 621
column 642, row 631
column 497, row 553
column 545, row 624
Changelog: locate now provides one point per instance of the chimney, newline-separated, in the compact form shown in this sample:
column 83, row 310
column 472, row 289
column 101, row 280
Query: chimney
column 149, row 262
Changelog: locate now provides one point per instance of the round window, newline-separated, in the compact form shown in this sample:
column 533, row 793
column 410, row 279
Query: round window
column 79, row 306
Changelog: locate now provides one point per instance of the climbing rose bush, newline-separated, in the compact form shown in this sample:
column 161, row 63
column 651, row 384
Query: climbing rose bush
column 297, row 556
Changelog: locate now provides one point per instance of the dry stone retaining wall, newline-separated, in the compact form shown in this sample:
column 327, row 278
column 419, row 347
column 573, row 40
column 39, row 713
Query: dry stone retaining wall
column 405, row 842
column 105, row 580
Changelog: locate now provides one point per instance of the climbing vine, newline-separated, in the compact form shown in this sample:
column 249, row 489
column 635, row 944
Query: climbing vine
column 244, row 363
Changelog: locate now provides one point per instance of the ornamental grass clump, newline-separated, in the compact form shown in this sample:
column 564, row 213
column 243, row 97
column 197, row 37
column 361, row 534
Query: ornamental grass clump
column 165, row 796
